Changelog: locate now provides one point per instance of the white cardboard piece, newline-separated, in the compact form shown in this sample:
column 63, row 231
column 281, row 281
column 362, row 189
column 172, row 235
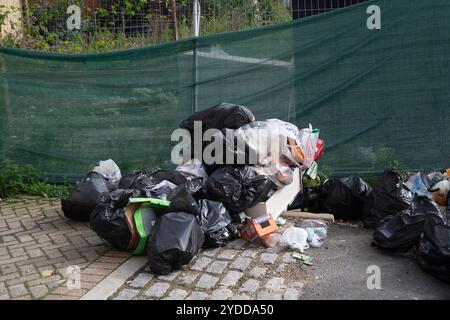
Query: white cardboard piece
column 279, row 201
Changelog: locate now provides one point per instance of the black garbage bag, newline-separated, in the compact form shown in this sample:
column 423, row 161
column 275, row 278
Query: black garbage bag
column 344, row 197
column 81, row 202
column 108, row 218
column 215, row 222
column 232, row 152
column 182, row 200
column 238, row 188
column 146, row 180
column 434, row 246
column 402, row 231
column 176, row 239
column 221, row 116
column 308, row 200
column 388, row 197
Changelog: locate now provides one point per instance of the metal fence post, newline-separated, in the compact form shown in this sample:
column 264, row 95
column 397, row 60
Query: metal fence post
column 196, row 22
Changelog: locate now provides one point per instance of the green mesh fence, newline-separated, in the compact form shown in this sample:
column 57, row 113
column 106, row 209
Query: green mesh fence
column 370, row 92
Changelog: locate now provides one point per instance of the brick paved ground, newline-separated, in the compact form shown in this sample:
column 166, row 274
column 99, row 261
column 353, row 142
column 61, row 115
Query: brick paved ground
column 239, row 271
column 37, row 245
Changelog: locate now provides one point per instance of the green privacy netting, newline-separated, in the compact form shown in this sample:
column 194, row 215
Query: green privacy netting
column 367, row 91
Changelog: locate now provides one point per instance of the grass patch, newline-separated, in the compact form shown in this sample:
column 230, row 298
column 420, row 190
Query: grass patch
column 16, row 179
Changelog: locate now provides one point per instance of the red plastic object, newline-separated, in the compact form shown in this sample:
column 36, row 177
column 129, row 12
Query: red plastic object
column 320, row 150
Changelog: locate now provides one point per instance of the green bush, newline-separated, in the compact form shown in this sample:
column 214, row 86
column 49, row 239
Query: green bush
column 18, row 179
column 114, row 25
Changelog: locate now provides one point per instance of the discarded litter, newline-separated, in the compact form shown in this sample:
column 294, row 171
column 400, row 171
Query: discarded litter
column 144, row 219
column 108, row 219
column 171, row 214
column 176, row 239
column 434, row 246
column 259, row 228
column 345, row 197
column 318, row 227
column 109, row 170
column 303, row 258
column 215, row 221
column 281, row 221
column 295, row 238
column 237, row 188
column 388, row 197
column 83, row 200
column 403, row 230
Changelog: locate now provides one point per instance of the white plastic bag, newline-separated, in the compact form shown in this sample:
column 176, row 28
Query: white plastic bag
column 308, row 145
column 314, row 226
column 110, row 170
column 295, row 238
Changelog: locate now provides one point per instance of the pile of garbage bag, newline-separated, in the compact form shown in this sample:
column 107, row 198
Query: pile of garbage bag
column 402, row 230
column 169, row 215
column 410, row 213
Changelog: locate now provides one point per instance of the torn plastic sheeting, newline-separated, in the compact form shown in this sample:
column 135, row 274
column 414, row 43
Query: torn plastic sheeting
column 176, row 239
column 83, row 200
column 402, row 231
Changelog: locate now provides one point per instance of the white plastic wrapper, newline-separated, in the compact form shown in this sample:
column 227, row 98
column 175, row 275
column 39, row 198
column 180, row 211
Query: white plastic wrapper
column 110, row 170
column 193, row 168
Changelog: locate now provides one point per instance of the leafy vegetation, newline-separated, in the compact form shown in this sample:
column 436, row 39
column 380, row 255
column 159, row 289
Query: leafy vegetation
column 18, row 179
column 127, row 24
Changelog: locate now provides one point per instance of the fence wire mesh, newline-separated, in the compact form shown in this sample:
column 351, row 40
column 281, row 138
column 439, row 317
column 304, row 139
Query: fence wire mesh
column 120, row 24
